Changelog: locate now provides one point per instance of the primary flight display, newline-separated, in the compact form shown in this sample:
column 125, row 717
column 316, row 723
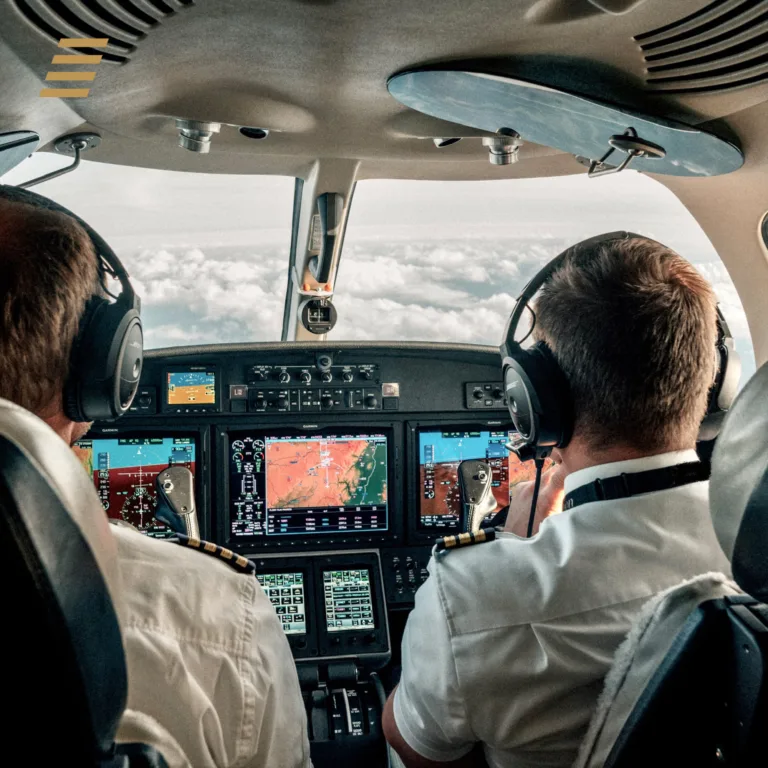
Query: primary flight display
column 286, row 484
column 441, row 452
column 124, row 471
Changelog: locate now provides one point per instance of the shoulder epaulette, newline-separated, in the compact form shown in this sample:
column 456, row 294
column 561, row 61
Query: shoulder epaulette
column 238, row 562
column 465, row 539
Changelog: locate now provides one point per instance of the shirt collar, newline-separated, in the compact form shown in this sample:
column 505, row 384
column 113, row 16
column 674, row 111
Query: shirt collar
column 603, row 471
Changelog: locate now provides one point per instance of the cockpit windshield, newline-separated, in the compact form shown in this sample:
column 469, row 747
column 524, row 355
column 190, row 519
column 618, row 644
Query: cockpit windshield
column 422, row 260
column 207, row 253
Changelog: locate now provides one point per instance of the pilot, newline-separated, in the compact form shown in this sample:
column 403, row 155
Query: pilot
column 207, row 658
column 506, row 650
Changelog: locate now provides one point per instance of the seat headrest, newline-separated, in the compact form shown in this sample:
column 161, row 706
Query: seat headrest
column 60, row 571
column 739, row 486
column 55, row 460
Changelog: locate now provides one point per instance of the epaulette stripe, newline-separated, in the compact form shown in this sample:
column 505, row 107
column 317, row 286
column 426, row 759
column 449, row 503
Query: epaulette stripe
column 238, row 562
column 465, row 539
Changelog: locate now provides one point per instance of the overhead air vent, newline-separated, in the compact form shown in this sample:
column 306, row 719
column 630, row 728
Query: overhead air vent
column 125, row 22
column 722, row 46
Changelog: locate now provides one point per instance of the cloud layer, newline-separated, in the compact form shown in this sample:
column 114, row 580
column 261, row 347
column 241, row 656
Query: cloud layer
column 458, row 290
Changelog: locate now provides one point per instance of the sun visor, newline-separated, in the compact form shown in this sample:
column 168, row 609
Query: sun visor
column 603, row 136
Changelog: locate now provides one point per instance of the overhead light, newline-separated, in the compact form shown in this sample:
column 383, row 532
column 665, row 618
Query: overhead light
column 196, row 135
column 503, row 148
column 440, row 143
column 254, row 133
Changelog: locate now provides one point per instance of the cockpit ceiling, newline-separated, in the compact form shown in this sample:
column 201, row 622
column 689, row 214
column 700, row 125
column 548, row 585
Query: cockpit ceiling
column 314, row 72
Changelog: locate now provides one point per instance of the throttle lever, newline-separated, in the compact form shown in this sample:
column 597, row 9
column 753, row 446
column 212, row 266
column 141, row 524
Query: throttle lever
column 176, row 501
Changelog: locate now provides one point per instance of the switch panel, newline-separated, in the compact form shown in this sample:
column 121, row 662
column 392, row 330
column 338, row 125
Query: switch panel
column 484, row 394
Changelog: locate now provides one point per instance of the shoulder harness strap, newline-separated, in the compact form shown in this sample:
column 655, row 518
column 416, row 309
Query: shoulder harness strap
column 633, row 484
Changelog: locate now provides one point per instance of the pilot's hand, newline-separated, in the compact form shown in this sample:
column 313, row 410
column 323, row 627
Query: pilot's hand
column 550, row 501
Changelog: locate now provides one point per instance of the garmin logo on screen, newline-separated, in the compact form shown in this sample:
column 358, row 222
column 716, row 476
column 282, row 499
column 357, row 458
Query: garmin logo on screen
column 74, row 76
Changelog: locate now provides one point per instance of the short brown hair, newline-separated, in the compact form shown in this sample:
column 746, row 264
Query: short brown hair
column 633, row 326
column 48, row 271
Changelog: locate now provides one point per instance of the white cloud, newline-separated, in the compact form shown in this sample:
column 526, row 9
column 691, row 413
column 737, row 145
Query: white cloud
column 387, row 291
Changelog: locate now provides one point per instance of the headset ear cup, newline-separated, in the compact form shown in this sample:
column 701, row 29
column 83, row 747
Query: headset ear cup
column 723, row 391
column 538, row 396
column 523, row 410
column 107, row 365
column 725, row 386
column 74, row 384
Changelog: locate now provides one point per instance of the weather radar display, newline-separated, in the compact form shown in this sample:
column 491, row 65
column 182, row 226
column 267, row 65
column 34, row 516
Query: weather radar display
column 441, row 452
column 124, row 472
column 191, row 387
column 308, row 484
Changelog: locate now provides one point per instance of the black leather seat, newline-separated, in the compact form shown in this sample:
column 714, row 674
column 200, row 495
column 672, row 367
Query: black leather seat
column 65, row 682
column 690, row 685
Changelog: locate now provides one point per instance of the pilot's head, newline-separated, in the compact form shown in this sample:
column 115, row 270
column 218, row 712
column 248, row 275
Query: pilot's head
column 48, row 271
column 633, row 326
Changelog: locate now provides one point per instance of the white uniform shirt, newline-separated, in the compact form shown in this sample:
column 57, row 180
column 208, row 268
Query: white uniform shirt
column 510, row 640
column 207, row 658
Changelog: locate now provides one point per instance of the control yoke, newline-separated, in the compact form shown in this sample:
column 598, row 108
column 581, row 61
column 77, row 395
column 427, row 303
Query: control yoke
column 176, row 501
column 477, row 499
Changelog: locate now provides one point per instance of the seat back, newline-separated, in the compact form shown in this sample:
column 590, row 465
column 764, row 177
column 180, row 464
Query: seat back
column 690, row 684
column 65, row 684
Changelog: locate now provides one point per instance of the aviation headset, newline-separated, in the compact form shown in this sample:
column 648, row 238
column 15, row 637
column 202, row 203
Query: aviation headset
column 536, row 389
column 108, row 352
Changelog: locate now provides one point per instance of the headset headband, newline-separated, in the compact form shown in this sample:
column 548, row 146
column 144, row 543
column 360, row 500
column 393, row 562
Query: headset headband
column 542, row 276
column 105, row 255
column 108, row 350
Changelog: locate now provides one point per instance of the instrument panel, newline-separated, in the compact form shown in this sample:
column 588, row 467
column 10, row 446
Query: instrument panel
column 298, row 452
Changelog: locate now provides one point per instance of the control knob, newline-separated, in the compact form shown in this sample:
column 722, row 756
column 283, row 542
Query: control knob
column 260, row 375
column 477, row 394
column 371, row 401
column 282, row 403
column 284, row 377
column 306, row 377
column 368, row 375
column 347, row 376
column 326, row 376
column 498, row 393
column 326, row 401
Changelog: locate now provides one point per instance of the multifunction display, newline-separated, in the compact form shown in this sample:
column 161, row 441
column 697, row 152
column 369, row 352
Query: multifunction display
column 124, row 471
column 284, row 484
column 441, row 452
column 286, row 593
column 348, row 602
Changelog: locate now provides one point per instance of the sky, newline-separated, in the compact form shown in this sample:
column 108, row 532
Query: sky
column 438, row 261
